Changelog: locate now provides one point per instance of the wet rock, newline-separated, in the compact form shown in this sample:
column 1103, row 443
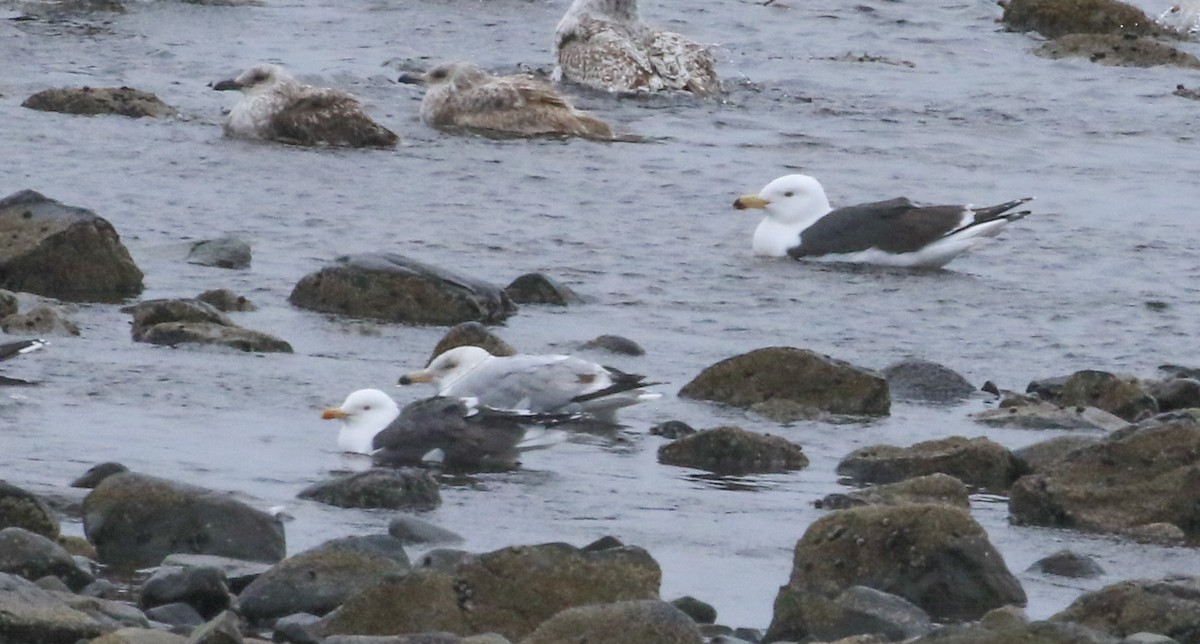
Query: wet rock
column 320, row 579
column 223, row 252
column 30, row 614
column 110, row 614
column 472, row 334
column 1169, row 606
column 536, row 288
column 1053, row 18
column 932, row 488
column 859, row 610
column 393, row 489
column 1143, row 475
column 173, row 322
column 1162, row 533
column 934, row 556
column 672, row 429
column 97, row 473
column 63, row 252
column 139, row 636
column 797, row 375
column 733, row 451
column 925, row 381
column 176, row 614
column 647, row 620
column 77, row 546
column 225, row 300
column 443, row 559
column 91, row 101
column 22, row 509
column 1117, row 50
column 135, row 520
column 32, row 556
column 1037, row 414
column 1119, row 395
column 238, row 573
column 297, row 629
column 1176, row 393
column 42, row 319
column 204, row 589
column 1010, row 631
column 411, row 530
column 394, row 288
column 615, row 344
column 1065, row 563
column 977, row 462
column 1033, row 459
column 509, row 591
column 222, row 629
column 8, row 303
column 700, row 612
column 1180, row 371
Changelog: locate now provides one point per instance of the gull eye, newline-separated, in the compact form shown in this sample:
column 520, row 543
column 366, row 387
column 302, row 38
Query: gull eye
column 789, row 193
column 366, row 408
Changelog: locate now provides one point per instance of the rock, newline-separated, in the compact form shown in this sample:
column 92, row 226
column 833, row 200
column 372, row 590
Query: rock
column 393, row 489
column 91, row 101
column 394, row 288
column 31, row 555
column 700, row 612
column 443, row 559
column 672, row 429
column 1169, row 606
column 1016, row 631
column 1053, row 18
column 858, row 610
column 472, row 334
column 180, row 321
column 1176, row 393
column 41, row 320
column 1142, row 475
column 925, row 381
column 795, row 375
column 509, row 591
column 733, row 451
column 411, row 530
column 297, row 629
column 977, row 462
column 536, row 288
column 932, row 488
column 615, row 344
column 222, row 629
column 1033, row 459
column 110, row 614
column 225, row 300
column 320, row 579
column 30, row 614
column 139, row 636
column 1149, row 638
column 934, row 556
column 21, row 509
column 647, row 620
column 223, row 252
column 1162, row 533
column 204, row 589
column 1047, row 415
column 1119, row 395
column 63, row 252
column 1065, row 563
column 135, row 520
column 8, row 303
column 238, row 573
column 96, row 473
column 1117, row 50
column 176, row 614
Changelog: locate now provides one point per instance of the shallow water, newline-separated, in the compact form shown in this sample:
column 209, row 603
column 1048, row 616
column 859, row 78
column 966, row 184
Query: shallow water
column 645, row 231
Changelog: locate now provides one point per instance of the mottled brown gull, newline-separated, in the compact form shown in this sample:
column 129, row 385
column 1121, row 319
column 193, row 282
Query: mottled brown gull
column 461, row 96
column 278, row 107
column 603, row 44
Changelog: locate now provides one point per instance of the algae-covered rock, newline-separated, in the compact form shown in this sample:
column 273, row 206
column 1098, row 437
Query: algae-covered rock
column 1053, row 18
column 1117, row 50
column 647, row 620
column 733, row 451
column 90, row 101
column 1168, row 606
column 978, row 462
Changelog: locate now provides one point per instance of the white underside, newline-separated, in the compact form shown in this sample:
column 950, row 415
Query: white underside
column 357, row 438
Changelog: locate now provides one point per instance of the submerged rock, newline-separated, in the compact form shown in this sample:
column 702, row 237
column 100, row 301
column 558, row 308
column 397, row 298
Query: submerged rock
column 1065, row 563
column 472, row 334
column 615, row 344
column 1169, row 606
column 978, row 462
column 536, row 288
column 411, row 530
column 1053, row 18
column 646, row 620
column 1026, row 413
column 932, row 488
column 223, row 252
column 91, row 101
column 225, row 300
column 1117, row 50
column 394, row 489
column 733, row 451
column 924, row 381
column 188, row 321
column 42, row 319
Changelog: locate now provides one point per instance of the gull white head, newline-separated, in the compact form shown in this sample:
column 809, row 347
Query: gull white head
column 259, row 78
column 449, row 367
column 791, row 203
column 364, row 414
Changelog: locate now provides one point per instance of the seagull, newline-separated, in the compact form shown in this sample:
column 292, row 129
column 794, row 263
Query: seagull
column 462, row 96
column 800, row 223
column 11, row 350
column 458, row 432
column 278, row 107
column 1182, row 17
column 537, row 383
column 603, row 44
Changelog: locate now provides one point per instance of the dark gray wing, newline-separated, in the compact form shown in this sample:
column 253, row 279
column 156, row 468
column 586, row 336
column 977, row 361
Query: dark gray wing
column 10, row 350
column 330, row 118
column 472, row 438
column 896, row 226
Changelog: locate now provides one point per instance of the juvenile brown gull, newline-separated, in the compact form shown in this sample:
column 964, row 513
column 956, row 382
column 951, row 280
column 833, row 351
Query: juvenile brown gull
column 537, row 383
column 603, row 44
column 800, row 223
column 462, row 96
column 278, row 107
column 459, row 432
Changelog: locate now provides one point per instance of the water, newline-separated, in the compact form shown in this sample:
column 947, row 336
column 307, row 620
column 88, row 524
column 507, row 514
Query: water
column 645, row 231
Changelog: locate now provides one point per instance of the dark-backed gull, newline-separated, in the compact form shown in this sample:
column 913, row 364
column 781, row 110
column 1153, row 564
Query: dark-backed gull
column 603, row 44
column 280, row 108
column 458, row 432
column 462, row 96
column 538, row 383
column 800, row 223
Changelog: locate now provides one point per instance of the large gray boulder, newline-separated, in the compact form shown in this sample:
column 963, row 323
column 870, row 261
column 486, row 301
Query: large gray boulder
column 1053, row 18
column 1169, row 606
column 650, row 621
column 33, row 556
column 394, row 288
column 30, row 614
column 63, row 252
column 135, row 520
column 191, row 321
column 733, row 451
column 858, row 610
column 919, row 380
column 978, row 462
column 1123, row 396
column 799, row 376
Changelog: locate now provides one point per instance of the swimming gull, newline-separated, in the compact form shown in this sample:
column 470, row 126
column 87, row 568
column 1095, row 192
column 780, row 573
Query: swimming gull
column 1184, row 17
column 603, row 44
column 460, row 95
column 278, row 107
column 11, row 350
column 459, row 432
column 800, row 223
column 538, row 383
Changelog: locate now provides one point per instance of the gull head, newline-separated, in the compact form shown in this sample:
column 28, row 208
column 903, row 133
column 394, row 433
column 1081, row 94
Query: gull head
column 457, row 75
column 365, row 407
column 259, row 77
column 448, row 367
column 791, row 198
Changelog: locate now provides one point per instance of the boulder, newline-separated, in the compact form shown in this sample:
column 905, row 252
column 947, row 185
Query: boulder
column 924, row 381
column 1169, row 606
column 394, row 288
column 1122, row 396
column 672, row 429
column 393, row 489
column 411, row 530
column 63, row 252
column 1033, row 459
column 934, row 556
column 1175, row 393
column 700, row 612
column 21, row 509
column 977, row 462
column 798, row 376
column 238, row 573
column 222, row 629
column 297, row 629
column 32, row 556
column 931, row 488
column 320, row 579
column 96, row 473
column 1147, row 474
column 1016, row 630
column 135, row 520
column 646, row 620
column 223, row 252
column 30, row 614
column 173, row 322
column 1029, row 413
column 536, row 288
column 176, row 614
column 1053, row 18
column 139, row 636
column 204, row 589
column 42, row 319
column 1117, row 50
column 733, row 451
column 110, row 614
column 615, row 344
column 225, row 300
column 8, row 303
column 472, row 334
column 1065, row 563
column 509, row 591
column 91, row 101
column 859, row 610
